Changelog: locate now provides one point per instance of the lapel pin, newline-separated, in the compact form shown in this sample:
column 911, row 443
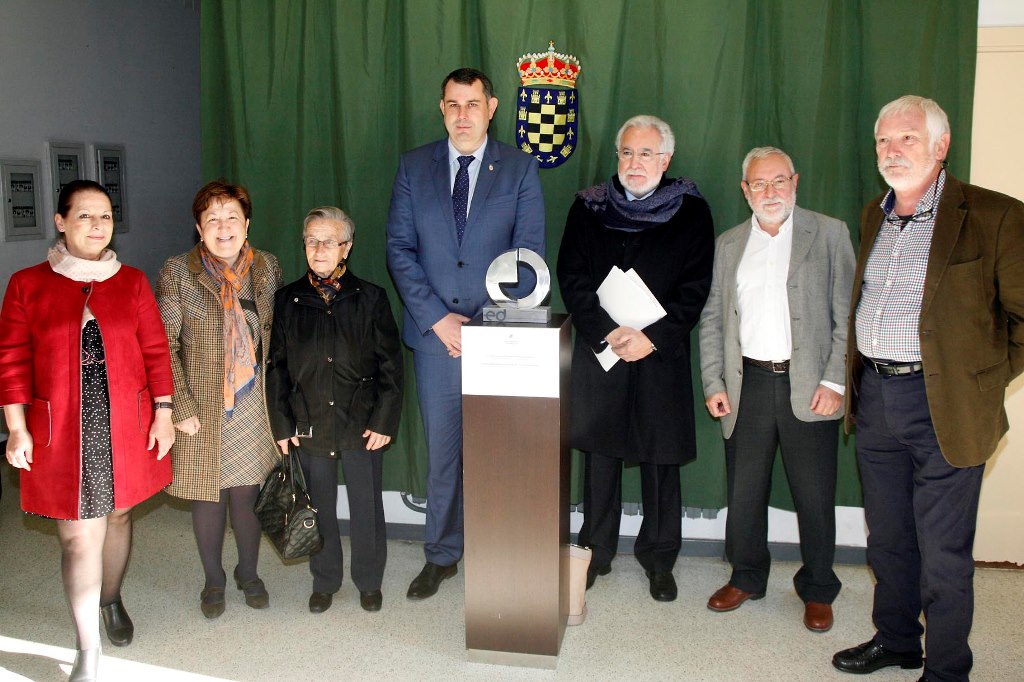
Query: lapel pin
column 490, row 166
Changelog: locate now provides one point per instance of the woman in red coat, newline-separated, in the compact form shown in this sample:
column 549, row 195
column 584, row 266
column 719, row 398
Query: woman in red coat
column 86, row 384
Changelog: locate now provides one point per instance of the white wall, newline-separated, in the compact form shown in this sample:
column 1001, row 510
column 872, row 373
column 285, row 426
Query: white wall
column 1000, row 13
column 109, row 71
column 997, row 148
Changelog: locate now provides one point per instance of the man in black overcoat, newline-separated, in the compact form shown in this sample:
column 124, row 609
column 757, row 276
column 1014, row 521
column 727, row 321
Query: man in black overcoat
column 640, row 410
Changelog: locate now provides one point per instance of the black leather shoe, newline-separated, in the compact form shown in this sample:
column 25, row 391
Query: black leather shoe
column 371, row 601
column 118, row 625
column 663, row 585
column 595, row 571
column 871, row 656
column 211, row 601
column 320, row 602
column 255, row 592
column 426, row 583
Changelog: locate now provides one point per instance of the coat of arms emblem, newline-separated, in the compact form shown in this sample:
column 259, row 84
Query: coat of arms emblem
column 547, row 106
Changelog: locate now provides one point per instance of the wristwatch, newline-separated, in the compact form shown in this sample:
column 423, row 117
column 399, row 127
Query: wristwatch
column 163, row 406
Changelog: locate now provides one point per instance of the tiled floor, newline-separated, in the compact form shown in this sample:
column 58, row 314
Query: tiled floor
column 627, row 636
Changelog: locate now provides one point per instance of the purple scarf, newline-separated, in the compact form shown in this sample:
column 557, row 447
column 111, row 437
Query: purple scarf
column 617, row 212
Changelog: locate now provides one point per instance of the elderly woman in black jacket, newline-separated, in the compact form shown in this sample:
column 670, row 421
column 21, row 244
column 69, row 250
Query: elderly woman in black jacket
column 335, row 382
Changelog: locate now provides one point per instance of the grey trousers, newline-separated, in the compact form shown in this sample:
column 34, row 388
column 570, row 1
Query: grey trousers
column 764, row 424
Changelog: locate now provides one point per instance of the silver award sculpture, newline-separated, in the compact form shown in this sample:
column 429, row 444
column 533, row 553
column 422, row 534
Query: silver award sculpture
column 505, row 270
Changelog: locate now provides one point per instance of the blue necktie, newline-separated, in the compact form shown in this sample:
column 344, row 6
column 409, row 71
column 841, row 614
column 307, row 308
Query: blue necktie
column 460, row 195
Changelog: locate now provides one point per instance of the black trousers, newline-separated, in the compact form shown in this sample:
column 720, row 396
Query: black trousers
column 363, row 470
column 661, row 531
column 765, row 423
column 921, row 515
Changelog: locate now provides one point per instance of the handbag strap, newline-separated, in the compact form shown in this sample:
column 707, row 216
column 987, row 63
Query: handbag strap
column 298, row 477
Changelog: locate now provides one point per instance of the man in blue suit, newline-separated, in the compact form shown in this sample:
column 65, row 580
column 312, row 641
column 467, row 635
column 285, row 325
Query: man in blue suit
column 456, row 205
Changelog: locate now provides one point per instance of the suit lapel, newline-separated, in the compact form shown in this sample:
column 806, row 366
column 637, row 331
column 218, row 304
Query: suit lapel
column 803, row 237
column 733, row 254
column 870, row 224
column 195, row 264
column 443, row 186
column 948, row 222
column 263, row 287
column 484, row 182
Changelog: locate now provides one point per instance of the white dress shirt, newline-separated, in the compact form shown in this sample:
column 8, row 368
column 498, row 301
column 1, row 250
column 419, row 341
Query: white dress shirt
column 473, row 169
column 762, row 296
column 761, row 293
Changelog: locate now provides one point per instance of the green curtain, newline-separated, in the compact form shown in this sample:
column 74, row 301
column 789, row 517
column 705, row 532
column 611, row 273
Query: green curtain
column 310, row 102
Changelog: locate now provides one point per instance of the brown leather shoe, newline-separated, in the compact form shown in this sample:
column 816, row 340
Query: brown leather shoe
column 817, row 616
column 211, row 601
column 256, row 596
column 729, row 598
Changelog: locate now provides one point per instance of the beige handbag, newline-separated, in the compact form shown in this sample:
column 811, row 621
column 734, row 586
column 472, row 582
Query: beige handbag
column 579, row 562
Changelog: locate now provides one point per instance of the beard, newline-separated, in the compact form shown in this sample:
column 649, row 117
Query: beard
column 909, row 179
column 773, row 211
column 639, row 187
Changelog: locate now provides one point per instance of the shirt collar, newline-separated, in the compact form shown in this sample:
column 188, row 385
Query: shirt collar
column 632, row 197
column 454, row 154
column 929, row 200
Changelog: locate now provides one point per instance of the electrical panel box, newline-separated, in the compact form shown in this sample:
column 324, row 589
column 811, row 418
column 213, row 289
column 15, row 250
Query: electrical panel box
column 67, row 164
column 111, row 174
column 21, row 194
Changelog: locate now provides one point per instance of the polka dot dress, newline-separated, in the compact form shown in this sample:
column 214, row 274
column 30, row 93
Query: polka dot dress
column 97, row 496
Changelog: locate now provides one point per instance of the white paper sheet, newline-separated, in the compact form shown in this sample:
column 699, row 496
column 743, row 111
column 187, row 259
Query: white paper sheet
column 628, row 301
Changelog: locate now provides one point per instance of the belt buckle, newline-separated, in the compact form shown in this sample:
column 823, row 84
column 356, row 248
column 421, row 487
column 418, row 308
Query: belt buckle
column 778, row 367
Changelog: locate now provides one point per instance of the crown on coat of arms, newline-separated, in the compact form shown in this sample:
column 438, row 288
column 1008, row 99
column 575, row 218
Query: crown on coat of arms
column 549, row 68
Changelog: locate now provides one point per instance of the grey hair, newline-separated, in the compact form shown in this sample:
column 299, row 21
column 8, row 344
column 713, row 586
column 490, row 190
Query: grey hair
column 331, row 213
column 763, row 153
column 935, row 118
column 668, row 140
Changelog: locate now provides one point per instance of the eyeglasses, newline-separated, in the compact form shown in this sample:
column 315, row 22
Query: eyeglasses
column 780, row 183
column 901, row 221
column 645, row 155
column 313, row 242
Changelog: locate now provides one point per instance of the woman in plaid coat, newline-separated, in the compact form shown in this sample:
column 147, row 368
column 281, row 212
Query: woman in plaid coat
column 217, row 304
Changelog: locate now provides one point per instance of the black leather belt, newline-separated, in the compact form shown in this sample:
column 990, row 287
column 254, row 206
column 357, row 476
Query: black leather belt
column 776, row 367
column 893, row 369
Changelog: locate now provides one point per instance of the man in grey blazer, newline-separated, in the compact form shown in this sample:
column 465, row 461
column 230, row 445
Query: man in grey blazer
column 456, row 205
column 774, row 331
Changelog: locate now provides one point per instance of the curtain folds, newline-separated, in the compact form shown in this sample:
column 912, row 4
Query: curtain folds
column 310, row 102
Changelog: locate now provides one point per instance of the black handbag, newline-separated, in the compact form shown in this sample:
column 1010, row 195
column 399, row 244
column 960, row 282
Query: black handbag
column 284, row 510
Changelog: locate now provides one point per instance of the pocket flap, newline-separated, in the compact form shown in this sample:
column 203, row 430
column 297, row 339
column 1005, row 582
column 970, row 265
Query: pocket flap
column 996, row 376
column 40, row 422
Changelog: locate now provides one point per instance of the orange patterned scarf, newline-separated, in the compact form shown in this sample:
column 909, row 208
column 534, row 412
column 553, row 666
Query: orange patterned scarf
column 239, row 353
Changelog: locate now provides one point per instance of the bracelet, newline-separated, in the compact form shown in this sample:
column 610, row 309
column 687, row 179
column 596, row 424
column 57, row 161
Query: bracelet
column 163, row 406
